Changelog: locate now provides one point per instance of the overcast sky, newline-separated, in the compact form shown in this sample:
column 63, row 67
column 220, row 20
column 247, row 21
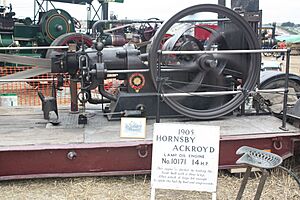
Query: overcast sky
column 273, row 10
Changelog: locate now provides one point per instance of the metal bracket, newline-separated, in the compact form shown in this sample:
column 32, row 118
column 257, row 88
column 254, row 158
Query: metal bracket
column 277, row 143
column 49, row 103
column 142, row 151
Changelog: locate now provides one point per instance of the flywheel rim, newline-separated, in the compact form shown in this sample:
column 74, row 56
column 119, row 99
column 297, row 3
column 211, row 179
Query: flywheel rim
column 251, row 80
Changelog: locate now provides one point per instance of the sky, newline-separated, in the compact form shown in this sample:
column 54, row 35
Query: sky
column 273, row 10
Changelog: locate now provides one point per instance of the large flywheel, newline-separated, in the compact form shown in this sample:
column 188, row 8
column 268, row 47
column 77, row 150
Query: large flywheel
column 208, row 84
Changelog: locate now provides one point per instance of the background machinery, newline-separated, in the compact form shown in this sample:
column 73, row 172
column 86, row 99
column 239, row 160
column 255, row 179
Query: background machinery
column 46, row 25
column 268, row 39
column 25, row 33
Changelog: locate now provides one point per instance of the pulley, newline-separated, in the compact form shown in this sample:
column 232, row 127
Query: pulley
column 55, row 23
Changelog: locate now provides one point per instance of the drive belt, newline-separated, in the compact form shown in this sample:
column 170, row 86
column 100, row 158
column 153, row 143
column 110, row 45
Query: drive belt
column 41, row 66
column 26, row 60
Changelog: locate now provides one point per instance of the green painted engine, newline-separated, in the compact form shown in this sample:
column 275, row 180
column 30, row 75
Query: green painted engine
column 25, row 33
column 53, row 24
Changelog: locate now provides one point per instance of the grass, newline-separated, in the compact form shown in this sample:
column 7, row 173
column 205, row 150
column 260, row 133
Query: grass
column 278, row 186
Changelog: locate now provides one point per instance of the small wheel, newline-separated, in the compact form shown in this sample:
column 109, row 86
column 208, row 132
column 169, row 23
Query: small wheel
column 275, row 54
column 268, row 54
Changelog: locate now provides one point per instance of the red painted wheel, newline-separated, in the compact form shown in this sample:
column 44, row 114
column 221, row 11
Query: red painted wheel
column 70, row 38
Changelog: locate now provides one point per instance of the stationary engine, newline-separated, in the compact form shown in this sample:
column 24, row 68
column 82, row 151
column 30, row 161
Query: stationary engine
column 181, row 72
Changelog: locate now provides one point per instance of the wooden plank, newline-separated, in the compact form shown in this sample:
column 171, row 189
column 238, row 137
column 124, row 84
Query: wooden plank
column 242, row 170
column 27, row 127
column 38, row 136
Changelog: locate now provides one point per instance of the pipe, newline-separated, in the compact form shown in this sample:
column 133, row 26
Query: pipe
column 27, row 80
column 29, row 48
column 103, row 22
column 106, row 94
column 126, row 71
column 97, row 101
column 224, row 51
column 104, row 10
column 73, row 95
column 286, row 87
column 220, row 93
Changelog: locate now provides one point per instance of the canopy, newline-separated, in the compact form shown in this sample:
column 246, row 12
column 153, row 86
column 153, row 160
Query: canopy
column 289, row 38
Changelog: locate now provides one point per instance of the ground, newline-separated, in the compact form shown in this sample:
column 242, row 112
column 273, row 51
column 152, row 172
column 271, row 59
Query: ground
column 278, row 186
column 294, row 63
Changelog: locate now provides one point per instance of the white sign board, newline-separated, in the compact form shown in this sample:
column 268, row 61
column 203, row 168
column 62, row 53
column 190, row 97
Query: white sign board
column 133, row 127
column 185, row 157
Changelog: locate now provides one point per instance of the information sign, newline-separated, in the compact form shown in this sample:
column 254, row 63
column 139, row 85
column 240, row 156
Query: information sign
column 185, row 157
column 133, row 127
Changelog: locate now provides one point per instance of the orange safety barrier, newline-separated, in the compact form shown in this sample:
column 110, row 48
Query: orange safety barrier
column 26, row 92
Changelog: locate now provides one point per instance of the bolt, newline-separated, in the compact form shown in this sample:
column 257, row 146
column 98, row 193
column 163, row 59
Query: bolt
column 211, row 63
column 71, row 155
column 59, row 27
